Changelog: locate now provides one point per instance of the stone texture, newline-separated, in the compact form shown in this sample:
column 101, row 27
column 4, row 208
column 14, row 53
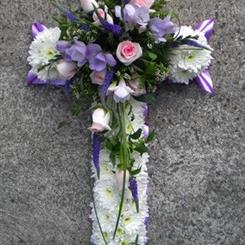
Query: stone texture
column 197, row 168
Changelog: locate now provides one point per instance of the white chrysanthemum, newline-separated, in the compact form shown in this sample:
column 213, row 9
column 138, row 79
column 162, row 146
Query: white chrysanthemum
column 107, row 197
column 42, row 50
column 188, row 61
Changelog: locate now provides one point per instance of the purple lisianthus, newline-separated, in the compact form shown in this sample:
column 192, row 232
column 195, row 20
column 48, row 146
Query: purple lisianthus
column 161, row 27
column 77, row 52
column 101, row 60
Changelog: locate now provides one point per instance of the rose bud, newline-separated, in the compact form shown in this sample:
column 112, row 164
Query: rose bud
column 101, row 120
column 88, row 5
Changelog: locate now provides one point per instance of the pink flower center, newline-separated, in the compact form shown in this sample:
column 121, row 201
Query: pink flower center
column 128, row 50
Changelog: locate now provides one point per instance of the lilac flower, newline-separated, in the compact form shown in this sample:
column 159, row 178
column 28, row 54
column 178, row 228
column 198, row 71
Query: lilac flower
column 142, row 17
column 77, row 52
column 96, row 144
column 104, row 87
column 133, row 15
column 92, row 50
column 115, row 29
column 133, row 186
column 101, row 60
column 62, row 46
column 70, row 16
column 160, row 28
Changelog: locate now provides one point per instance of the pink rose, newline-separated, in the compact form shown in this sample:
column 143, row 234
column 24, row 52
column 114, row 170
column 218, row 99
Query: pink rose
column 87, row 5
column 142, row 3
column 98, row 77
column 128, row 52
column 66, row 69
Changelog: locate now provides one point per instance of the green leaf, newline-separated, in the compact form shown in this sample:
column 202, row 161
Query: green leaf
column 152, row 55
column 141, row 148
column 147, row 98
column 151, row 137
column 136, row 171
column 136, row 135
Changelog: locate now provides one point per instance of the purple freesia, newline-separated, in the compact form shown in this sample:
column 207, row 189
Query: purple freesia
column 100, row 61
column 36, row 28
column 77, row 52
column 62, row 45
column 161, row 27
column 92, row 50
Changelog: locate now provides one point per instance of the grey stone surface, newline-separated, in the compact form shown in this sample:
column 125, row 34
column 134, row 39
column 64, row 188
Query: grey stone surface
column 197, row 168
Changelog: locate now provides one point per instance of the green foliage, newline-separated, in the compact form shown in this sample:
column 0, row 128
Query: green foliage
column 141, row 148
column 151, row 137
column 136, row 135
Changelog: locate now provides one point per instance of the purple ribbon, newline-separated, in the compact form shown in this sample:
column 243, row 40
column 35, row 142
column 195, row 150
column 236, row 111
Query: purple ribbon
column 206, row 27
column 32, row 79
column 205, row 82
column 204, row 79
column 36, row 28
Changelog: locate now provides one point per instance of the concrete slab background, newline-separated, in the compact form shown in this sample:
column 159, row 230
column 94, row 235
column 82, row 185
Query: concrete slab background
column 197, row 168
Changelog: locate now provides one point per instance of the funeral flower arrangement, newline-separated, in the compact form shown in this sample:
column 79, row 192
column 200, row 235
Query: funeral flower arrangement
column 110, row 57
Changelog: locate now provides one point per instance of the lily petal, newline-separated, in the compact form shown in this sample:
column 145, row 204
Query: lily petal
column 36, row 28
column 205, row 82
column 206, row 27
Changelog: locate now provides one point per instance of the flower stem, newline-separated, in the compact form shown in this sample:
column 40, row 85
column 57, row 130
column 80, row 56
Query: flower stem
column 124, row 159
